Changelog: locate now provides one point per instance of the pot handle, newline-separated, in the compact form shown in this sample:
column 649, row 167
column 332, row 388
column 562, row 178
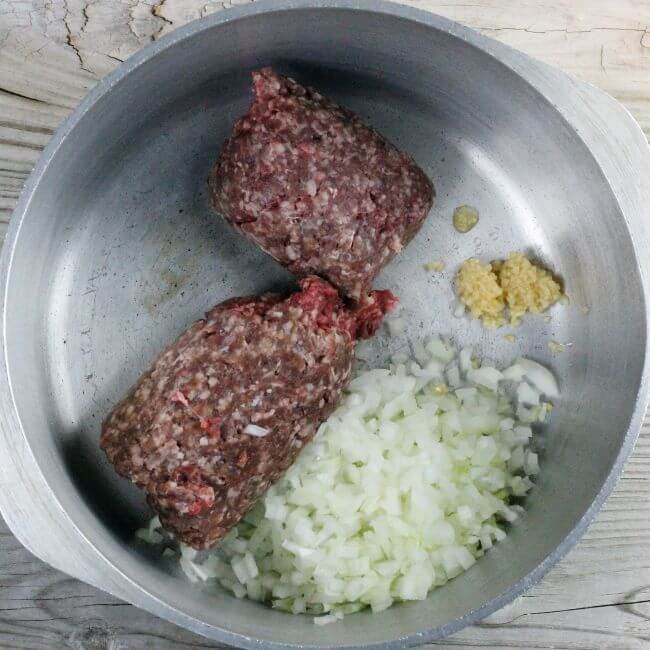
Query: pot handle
column 37, row 519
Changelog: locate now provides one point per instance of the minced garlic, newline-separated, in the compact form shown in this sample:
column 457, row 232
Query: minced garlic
column 526, row 287
column 465, row 218
column 515, row 284
column 435, row 266
column 480, row 292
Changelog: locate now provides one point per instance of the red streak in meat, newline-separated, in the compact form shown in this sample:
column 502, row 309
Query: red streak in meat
column 212, row 426
column 371, row 311
column 187, row 493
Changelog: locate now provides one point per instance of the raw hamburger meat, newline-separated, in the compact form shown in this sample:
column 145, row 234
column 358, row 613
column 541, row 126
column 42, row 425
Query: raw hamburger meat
column 316, row 188
column 224, row 411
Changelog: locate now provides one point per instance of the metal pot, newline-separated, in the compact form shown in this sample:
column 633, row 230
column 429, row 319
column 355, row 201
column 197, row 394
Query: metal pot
column 113, row 250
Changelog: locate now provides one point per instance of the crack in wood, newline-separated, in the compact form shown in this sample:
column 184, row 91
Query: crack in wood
column 31, row 99
column 621, row 603
column 644, row 38
column 69, row 39
column 28, row 128
column 114, row 58
column 156, row 10
column 563, row 610
column 86, row 17
column 566, row 30
column 43, row 598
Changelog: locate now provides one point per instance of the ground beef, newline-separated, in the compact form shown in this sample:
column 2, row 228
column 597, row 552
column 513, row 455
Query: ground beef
column 316, row 188
column 224, row 411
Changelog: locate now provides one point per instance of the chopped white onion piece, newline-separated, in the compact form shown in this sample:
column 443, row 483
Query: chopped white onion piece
column 465, row 360
column 255, row 430
column 485, row 376
column 325, row 620
column 188, row 569
column 527, row 395
column 453, row 375
column 187, row 551
column 540, row 377
column 531, row 463
column 514, row 373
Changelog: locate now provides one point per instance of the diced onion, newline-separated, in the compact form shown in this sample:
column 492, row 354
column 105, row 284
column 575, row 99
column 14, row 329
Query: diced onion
column 540, row 377
column 485, row 376
column 527, row 395
column 255, row 430
column 405, row 486
column 325, row 620
column 465, row 360
column 514, row 373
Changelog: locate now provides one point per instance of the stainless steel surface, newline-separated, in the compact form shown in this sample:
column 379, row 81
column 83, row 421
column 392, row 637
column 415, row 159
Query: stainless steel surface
column 113, row 250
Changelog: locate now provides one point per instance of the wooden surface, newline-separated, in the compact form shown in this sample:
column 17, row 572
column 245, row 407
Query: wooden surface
column 53, row 51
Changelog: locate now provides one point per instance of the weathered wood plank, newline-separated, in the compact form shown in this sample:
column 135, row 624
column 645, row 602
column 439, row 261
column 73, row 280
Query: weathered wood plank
column 54, row 52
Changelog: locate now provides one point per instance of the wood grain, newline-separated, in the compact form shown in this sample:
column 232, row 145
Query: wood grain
column 53, row 51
